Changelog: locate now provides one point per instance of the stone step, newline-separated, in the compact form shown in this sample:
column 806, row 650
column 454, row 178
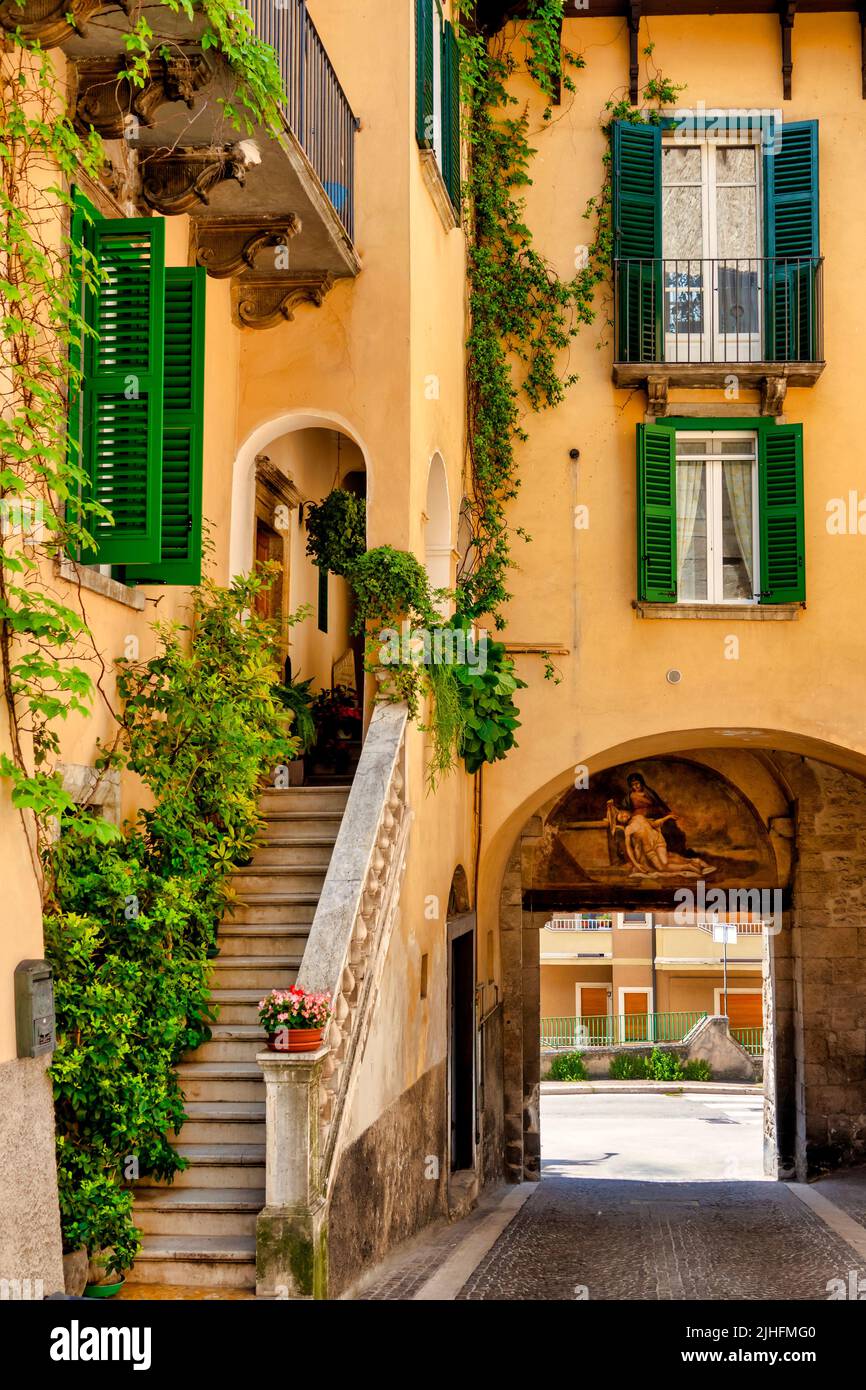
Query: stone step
column 280, row 825
column 237, row 1005
column 289, row 850
column 216, row 1165
column 230, row 1042
column 207, row 1261
column 262, row 939
column 318, row 798
column 224, row 1122
column 260, row 972
column 218, row 1081
column 207, row 1211
column 273, row 908
column 278, row 878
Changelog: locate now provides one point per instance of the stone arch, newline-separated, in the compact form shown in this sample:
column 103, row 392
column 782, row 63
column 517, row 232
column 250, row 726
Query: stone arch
column 812, row 797
column 437, row 526
column 244, row 472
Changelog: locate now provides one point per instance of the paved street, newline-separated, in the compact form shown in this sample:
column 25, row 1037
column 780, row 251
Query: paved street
column 644, row 1197
column 673, row 1137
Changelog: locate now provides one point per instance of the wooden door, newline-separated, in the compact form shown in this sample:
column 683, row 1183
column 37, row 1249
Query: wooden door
column 635, row 1006
column 744, row 1010
column 593, row 1007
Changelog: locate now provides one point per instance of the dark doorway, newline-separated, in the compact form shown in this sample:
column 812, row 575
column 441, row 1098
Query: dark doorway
column 462, row 1042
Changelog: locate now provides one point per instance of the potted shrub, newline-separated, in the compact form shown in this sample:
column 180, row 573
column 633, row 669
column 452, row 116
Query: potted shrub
column 298, row 699
column 294, row 1019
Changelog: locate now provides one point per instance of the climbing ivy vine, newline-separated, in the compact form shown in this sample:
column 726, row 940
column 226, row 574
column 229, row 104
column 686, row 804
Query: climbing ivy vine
column 522, row 315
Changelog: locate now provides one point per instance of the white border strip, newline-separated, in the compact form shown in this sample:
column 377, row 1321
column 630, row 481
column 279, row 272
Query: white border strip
column 838, row 1220
column 449, row 1279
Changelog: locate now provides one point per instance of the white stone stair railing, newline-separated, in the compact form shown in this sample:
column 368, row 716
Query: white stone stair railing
column 348, row 941
column 344, row 956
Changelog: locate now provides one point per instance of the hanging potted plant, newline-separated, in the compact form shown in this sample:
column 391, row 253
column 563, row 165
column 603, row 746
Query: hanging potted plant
column 337, row 531
column 294, row 1020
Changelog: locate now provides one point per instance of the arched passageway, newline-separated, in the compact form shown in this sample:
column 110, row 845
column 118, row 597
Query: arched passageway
column 640, row 841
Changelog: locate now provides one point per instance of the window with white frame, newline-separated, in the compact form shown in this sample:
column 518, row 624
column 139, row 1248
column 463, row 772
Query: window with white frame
column 711, row 239
column 717, row 517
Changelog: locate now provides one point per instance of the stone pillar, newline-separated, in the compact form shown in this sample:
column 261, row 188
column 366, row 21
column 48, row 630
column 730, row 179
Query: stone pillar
column 292, row 1231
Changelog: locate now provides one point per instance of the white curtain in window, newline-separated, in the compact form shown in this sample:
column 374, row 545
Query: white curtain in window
column 738, row 484
column 689, row 479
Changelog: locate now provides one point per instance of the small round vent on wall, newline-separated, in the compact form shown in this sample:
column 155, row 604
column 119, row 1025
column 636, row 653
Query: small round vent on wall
column 674, row 677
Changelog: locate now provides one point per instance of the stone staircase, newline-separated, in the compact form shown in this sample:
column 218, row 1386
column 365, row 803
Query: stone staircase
column 201, row 1230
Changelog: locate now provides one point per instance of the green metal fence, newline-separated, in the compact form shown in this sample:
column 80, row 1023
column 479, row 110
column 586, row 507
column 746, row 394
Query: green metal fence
column 609, row 1030
column 752, row 1039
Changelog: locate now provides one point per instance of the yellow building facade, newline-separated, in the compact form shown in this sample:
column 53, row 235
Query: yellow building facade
column 708, row 733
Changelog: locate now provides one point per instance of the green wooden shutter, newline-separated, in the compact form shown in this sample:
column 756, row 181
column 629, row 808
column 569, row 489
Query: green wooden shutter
column 182, row 439
column 424, row 73
column 637, row 239
column 782, row 528
column 122, row 389
column 792, row 241
column 83, row 216
column 656, row 514
column 451, row 113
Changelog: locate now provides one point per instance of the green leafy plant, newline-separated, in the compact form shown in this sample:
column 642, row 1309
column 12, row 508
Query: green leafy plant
column 568, row 1066
column 298, row 699
column 697, row 1070
column 490, row 714
column 629, row 1066
column 664, row 1066
column 391, row 587
column 337, row 531
column 129, row 924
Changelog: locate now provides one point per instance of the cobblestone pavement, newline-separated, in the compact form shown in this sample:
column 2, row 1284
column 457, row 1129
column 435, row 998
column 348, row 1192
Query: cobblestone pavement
column 657, row 1241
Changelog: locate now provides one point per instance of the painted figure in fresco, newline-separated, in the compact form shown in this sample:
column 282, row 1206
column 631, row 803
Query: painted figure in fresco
column 652, row 840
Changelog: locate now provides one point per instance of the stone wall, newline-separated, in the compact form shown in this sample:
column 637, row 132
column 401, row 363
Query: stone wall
column 30, row 1245
column 821, row 972
column 385, row 1190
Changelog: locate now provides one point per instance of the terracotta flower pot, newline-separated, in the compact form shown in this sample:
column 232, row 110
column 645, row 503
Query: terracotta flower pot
column 295, row 1040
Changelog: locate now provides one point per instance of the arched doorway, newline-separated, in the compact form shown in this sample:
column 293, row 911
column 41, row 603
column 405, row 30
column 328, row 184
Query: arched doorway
column 438, row 556
column 283, row 470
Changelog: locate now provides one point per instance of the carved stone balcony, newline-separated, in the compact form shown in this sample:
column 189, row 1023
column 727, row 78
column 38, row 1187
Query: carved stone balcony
column 277, row 212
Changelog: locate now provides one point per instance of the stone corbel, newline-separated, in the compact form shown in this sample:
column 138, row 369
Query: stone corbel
column 260, row 301
column 226, row 246
column 51, row 22
column 787, row 15
column 110, row 104
column 773, row 392
column 657, row 395
column 179, row 180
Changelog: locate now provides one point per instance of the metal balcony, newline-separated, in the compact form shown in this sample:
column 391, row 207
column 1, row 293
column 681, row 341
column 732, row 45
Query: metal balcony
column 694, row 322
column 317, row 109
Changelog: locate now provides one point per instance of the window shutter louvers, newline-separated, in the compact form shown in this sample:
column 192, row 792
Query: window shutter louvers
column 637, row 238
column 791, row 231
column 424, row 73
column 451, row 113
column 782, row 528
column 123, row 387
column 182, row 441
column 656, row 514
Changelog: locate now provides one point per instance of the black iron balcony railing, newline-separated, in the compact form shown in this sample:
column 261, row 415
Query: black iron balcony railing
column 704, row 311
column 317, row 109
